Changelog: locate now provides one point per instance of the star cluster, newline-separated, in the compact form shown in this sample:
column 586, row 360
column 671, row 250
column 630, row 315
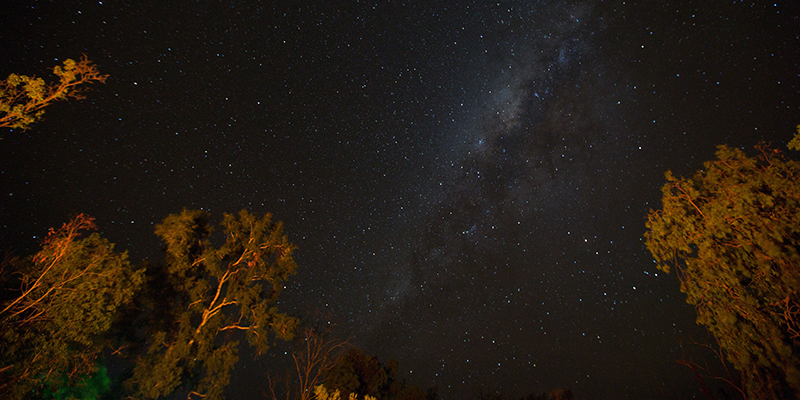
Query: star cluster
column 467, row 181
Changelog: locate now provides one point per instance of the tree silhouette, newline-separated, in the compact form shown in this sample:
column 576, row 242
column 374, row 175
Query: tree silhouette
column 362, row 375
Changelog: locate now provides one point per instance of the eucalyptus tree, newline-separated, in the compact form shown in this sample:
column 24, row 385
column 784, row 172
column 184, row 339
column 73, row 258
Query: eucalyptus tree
column 205, row 295
column 731, row 232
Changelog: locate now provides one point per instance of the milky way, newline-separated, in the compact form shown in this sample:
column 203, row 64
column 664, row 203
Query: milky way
column 467, row 181
column 536, row 133
column 520, row 181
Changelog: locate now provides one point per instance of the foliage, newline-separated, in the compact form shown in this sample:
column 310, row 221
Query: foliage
column 361, row 374
column 91, row 387
column 731, row 231
column 23, row 98
column 357, row 372
column 208, row 291
column 794, row 144
column 60, row 307
column 320, row 393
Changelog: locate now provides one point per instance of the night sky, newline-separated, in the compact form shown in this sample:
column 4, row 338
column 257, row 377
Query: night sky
column 467, row 181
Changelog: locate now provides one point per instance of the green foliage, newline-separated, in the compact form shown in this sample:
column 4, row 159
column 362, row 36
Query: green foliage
column 731, row 231
column 210, row 290
column 91, row 387
column 23, row 98
column 63, row 303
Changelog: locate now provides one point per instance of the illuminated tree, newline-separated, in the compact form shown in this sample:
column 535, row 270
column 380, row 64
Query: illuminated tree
column 23, row 98
column 794, row 144
column 732, row 233
column 321, row 393
column 207, row 291
column 60, row 307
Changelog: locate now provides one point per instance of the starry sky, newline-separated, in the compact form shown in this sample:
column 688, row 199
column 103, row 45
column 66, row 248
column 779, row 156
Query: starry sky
column 467, row 181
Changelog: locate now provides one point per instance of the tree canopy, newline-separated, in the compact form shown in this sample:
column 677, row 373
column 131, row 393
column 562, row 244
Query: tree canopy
column 732, row 232
column 61, row 308
column 23, row 98
column 363, row 375
column 61, row 304
column 208, row 291
column 321, row 393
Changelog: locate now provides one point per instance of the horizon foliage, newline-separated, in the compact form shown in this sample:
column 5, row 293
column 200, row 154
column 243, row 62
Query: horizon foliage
column 321, row 393
column 361, row 375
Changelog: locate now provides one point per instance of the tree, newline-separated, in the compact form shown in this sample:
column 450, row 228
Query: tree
column 23, row 98
column 732, row 233
column 700, row 372
column 59, row 309
column 313, row 354
column 794, row 144
column 90, row 387
column 321, row 393
column 357, row 372
column 208, row 291
column 363, row 375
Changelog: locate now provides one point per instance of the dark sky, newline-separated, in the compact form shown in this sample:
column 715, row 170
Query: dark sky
column 467, row 181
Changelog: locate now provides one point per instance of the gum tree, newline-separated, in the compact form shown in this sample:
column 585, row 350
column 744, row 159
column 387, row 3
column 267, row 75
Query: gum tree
column 731, row 232
column 59, row 309
column 203, row 293
column 23, row 98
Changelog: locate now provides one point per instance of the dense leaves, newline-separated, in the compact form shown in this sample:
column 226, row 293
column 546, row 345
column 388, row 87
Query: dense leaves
column 321, row 393
column 60, row 309
column 731, row 231
column 90, row 387
column 209, row 291
column 23, row 98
